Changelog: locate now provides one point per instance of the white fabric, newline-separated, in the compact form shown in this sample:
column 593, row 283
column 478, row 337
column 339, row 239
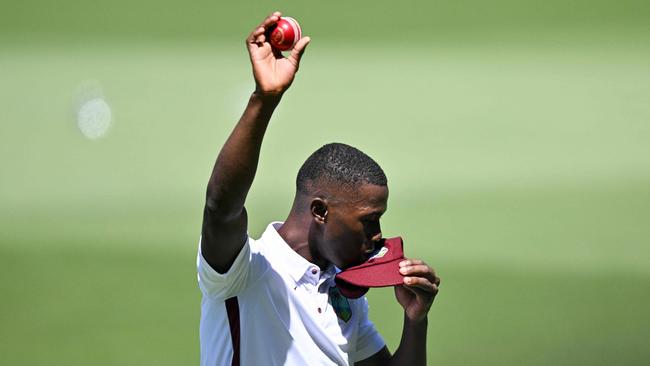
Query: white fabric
column 279, row 298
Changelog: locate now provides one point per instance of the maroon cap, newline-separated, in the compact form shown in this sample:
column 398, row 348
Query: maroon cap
column 380, row 270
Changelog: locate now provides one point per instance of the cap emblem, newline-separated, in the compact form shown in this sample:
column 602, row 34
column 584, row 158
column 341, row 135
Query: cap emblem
column 382, row 252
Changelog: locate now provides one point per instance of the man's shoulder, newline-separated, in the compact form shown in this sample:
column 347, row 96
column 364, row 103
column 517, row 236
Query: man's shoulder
column 266, row 238
column 269, row 238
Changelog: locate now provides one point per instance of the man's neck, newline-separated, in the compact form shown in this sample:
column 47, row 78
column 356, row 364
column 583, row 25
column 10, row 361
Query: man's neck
column 295, row 232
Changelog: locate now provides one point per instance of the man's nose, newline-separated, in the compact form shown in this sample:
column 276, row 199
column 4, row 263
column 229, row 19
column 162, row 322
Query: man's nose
column 372, row 243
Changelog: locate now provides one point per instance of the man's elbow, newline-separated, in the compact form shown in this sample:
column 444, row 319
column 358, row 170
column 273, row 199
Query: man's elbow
column 220, row 210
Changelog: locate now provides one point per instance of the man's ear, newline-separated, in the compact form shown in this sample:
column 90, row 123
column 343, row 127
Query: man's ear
column 319, row 209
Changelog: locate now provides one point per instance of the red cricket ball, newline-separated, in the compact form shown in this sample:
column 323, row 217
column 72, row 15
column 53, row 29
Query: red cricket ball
column 284, row 34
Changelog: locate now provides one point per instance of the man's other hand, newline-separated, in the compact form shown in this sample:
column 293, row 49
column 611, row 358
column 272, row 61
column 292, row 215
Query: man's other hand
column 419, row 289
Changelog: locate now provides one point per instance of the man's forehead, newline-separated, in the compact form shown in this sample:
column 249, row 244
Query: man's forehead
column 369, row 197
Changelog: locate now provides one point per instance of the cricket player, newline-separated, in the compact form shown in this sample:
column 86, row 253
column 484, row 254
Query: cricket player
column 273, row 300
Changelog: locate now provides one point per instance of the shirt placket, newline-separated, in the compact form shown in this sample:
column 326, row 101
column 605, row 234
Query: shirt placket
column 317, row 286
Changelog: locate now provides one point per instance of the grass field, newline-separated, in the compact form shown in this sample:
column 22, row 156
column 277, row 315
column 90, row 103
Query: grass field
column 520, row 171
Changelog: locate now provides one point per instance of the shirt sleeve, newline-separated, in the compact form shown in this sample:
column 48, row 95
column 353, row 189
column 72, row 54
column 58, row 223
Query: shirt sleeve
column 369, row 341
column 224, row 285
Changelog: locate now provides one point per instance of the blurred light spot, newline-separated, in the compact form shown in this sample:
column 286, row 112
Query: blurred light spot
column 94, row 118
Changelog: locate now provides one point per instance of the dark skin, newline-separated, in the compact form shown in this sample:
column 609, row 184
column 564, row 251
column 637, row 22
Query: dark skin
column 327, row 224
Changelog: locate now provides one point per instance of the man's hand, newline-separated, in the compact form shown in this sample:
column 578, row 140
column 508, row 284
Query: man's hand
column 419, row 289
column 273, row 72
column 416, row 296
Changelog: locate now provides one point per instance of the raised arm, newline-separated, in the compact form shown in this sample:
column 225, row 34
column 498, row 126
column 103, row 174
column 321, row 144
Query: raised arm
column 224, row 216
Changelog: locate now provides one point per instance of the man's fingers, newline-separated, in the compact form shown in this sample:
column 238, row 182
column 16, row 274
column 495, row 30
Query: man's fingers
column 410, row 262
column 261, row 29
column 420, row 270
column 252, row 38
column 257, row 36
column 420, row 286
column 270, row 20
column 298, row 50
column 416, row 269
column 419, row 282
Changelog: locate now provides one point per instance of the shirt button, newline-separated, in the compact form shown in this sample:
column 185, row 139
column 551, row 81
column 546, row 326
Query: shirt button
column 314, row 271
column 319, row 310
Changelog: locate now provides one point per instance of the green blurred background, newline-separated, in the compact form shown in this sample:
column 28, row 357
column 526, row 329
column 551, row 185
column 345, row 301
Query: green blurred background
column 515, row 135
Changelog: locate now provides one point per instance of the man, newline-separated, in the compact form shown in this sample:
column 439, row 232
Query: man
column 273, row 301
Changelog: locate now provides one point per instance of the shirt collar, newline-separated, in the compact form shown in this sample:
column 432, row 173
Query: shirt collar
column 295, row 265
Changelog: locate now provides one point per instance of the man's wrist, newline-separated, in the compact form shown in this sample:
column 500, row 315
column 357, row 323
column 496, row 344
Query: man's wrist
column 264, row 103
column 416, row 323
column 266, row 98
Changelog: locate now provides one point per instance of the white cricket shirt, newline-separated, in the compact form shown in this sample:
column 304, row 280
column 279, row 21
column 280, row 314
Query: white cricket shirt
column 273, row 307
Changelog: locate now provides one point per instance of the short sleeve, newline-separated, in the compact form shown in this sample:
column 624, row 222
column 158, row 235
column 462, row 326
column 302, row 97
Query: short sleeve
column 224, row 285
column 369, row 341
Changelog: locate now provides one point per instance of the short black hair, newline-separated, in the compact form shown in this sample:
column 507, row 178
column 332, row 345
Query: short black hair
column 341, row 165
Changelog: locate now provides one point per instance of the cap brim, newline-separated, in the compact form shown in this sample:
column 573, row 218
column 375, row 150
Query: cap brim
column 379, row 275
